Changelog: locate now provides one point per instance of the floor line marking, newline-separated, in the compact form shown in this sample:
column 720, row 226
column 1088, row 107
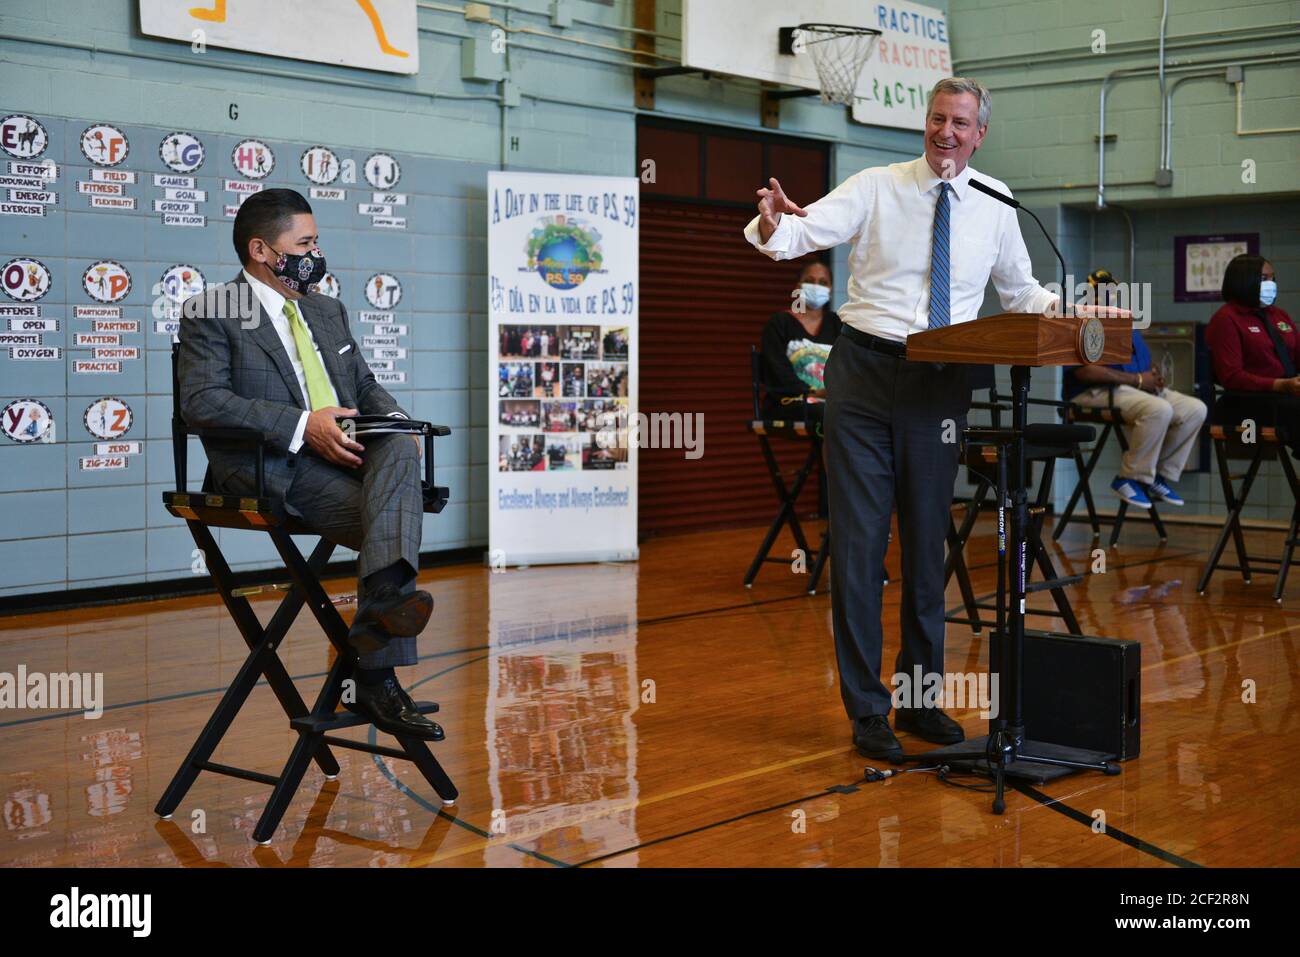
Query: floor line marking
column 513, row 840
column 1231, row 644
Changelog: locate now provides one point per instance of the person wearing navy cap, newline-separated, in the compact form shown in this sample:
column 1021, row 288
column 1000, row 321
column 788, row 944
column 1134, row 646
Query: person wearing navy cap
column 1160, row 424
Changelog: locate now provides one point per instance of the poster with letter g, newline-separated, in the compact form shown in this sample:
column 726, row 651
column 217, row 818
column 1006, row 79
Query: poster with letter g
column 563, row 299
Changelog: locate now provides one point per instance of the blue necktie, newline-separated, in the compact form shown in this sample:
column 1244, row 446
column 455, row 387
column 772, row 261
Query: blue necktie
column 940, row 312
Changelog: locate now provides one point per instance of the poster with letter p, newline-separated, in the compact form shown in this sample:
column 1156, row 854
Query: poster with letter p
column 563, row 299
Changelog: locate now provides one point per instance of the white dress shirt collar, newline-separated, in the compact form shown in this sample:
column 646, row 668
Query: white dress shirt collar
column 272, row 300
column 927, row 179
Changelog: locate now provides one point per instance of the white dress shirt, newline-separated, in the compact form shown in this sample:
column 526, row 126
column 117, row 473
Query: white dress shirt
column 886, row 213
column 273, row 302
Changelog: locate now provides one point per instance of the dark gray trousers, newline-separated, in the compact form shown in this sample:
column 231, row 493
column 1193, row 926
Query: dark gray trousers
column 887, row 420
column 376, row 509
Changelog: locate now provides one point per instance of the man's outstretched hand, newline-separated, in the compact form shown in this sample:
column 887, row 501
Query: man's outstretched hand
column 772, row 202
column 1085, row 310
column 328, row 440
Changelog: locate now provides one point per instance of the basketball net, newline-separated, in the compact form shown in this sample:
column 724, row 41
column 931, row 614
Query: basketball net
column 839, row 53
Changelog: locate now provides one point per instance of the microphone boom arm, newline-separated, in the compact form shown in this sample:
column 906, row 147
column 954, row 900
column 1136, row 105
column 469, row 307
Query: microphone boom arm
column 1015, row 204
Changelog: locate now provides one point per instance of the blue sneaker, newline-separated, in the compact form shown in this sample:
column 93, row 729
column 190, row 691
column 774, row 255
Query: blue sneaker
column 1164, row 491
column 1131, row 492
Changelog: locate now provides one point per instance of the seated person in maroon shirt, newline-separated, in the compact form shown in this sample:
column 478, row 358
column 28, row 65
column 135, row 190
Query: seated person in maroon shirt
column 1255, row 349
column 792, row 337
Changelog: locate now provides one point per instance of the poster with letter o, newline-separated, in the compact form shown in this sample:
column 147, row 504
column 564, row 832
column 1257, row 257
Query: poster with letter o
column 563, row 298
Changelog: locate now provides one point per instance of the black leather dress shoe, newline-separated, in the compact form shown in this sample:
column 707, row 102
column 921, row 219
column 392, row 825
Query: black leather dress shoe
column 386, row 613
column 391, row 709
column 929, row 723
column 874, row 739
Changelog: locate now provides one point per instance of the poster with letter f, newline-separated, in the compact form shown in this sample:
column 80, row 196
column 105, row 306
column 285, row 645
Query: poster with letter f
column 563, row 299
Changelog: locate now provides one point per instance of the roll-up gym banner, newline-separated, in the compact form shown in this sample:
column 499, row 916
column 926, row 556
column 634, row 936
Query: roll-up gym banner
column 562, row 347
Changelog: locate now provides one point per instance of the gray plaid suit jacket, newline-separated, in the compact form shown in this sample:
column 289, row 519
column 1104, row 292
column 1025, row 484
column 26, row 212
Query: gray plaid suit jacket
column 234, row 377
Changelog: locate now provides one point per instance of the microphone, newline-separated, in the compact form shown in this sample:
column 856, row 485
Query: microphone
column 1015, row 204
column 990, row 191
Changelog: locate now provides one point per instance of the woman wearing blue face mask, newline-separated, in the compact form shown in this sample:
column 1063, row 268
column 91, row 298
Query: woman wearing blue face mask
column 795, row 345
column 1255, row 348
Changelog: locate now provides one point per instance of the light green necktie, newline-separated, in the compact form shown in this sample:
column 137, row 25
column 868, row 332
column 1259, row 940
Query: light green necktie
column 318, row 382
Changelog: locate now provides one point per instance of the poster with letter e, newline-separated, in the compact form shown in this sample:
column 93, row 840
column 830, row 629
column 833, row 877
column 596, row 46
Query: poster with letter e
column 563, row 298
column 911, row 56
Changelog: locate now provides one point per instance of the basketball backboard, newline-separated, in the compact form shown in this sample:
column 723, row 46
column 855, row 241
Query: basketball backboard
column 740, row 38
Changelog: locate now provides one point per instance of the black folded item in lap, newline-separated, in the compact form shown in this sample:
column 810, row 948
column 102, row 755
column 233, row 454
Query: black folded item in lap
column 364, row 425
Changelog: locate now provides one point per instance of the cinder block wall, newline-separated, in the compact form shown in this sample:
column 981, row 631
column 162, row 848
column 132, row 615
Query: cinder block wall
column 76, row 62
column 1044, row 63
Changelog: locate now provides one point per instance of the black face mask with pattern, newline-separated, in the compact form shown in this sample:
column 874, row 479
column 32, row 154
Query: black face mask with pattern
column 299, row 272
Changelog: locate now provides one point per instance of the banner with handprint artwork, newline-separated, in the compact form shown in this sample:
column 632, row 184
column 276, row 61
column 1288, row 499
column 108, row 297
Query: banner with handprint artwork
column 371, row 34
column 562, row 348
column 1199, row 263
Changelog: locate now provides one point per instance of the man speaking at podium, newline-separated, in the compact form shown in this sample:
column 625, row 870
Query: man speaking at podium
column 923, row 246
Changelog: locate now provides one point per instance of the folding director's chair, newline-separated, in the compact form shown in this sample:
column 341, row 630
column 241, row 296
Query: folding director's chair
column 1111, row 421
column 1045, row 443
column 800, row 429
column 1268, row 445
column 211, row 509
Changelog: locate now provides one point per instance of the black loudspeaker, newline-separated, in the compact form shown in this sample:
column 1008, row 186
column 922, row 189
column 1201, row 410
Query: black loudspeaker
column 1083, row 692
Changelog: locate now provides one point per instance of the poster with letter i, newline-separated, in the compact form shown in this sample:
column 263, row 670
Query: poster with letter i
column 563, row 298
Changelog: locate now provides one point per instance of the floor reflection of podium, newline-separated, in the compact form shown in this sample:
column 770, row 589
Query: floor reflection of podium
column 562, row 688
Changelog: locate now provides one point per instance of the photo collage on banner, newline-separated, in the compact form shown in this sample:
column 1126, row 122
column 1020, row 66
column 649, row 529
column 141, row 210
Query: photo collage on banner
column 560, row 390
column 562, row 264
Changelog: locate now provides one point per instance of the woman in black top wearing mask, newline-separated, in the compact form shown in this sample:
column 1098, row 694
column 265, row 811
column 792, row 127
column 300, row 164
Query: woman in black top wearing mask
column 785, row 331
column 816, row 324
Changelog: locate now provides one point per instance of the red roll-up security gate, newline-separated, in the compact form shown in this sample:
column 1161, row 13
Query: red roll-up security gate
column 705, row 297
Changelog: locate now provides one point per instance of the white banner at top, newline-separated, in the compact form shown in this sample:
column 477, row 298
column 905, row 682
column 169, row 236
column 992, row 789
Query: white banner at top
column 911, row 56
column 370, row 34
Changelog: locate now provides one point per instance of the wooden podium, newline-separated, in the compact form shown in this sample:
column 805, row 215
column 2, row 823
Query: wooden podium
column 1025, row 339
column 1022, row 341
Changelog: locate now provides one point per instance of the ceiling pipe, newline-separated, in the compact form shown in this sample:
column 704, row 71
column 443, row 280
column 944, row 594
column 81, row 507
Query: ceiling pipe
column 1258, row 33
column 1241, row 130
column 1226, row 74
column 1163, row 175
column 1135, row 72
column 1167, row 156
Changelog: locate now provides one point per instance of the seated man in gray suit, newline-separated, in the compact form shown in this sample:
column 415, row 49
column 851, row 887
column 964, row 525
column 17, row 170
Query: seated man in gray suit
column 267, row 353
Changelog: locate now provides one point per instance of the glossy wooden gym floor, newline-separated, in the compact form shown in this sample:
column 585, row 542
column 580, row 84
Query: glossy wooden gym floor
column 545, row 678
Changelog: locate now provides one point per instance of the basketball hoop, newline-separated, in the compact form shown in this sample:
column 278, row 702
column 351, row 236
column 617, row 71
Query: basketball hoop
column 838, row 52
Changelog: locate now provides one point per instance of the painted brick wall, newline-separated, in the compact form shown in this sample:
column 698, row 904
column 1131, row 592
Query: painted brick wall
column 1038, row 61
column 71, row 62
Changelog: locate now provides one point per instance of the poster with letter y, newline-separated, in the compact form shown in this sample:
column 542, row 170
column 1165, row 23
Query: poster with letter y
column 563, row 298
